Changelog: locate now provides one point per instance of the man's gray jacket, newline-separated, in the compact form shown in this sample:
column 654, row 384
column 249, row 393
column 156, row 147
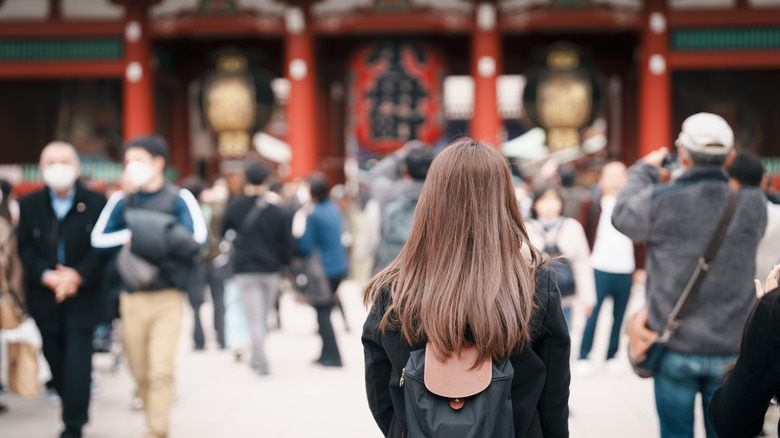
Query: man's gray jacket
column 677, row 221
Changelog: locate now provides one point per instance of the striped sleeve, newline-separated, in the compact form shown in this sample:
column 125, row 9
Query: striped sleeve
column 110, row 231
column 199, row 229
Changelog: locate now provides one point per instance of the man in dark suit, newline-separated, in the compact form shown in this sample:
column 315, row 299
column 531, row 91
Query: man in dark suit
column 63, row 276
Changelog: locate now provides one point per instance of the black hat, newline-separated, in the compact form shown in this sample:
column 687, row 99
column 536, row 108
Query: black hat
column 152, row 143
column 256, row 173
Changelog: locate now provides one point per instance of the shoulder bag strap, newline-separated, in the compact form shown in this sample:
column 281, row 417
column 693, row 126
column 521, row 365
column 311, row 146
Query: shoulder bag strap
column 253, row 214
column 552, row 235
column 702, row 267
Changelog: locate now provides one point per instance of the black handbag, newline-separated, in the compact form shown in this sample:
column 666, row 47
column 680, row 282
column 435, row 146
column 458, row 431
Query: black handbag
column 646, row 357
column 307, row 277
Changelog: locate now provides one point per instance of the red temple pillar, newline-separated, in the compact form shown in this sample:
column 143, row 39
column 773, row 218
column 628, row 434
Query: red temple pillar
column 655, row 110
column 138, row 109
column 302, row 132
column 486, row 124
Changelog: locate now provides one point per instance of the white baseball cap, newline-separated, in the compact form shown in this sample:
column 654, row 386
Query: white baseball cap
column 706, row 133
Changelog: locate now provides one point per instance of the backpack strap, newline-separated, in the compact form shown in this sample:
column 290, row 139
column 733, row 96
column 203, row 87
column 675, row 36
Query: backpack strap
column 550, row 236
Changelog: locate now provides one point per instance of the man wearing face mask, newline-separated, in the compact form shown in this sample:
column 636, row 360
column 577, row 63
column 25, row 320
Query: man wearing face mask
column 158, row 228
column 63, row 276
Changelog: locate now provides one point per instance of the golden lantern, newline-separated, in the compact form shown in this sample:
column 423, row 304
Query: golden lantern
column 561, row 97
column 230, row 105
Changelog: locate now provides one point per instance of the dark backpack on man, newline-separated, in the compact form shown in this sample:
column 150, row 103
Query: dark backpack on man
column 454, row 399
column 396, row 226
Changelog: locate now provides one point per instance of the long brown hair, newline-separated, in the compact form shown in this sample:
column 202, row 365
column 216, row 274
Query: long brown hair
column 462, row 277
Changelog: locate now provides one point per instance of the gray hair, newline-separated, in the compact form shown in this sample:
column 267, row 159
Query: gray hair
column 701, row 159
column 65, row 145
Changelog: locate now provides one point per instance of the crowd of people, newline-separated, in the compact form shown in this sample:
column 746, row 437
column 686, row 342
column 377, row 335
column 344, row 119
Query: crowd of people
column 694, row 231
column 478, row 274
column 74, row 259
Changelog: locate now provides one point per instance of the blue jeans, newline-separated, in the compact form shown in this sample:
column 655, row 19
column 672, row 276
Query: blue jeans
column 680, row 377
column 617, row 286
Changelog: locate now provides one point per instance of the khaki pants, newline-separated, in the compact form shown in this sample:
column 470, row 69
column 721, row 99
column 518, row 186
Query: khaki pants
column 151, row 323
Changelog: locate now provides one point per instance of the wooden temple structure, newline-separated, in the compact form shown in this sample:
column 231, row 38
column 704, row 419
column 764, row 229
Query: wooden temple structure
column 97, row 72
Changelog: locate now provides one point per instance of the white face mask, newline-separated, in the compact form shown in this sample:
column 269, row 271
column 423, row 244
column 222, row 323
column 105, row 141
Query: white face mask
column 60, row 177
column 139, row 173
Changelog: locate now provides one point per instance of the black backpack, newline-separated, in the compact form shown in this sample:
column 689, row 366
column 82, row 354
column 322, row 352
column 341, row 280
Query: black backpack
column 439, row 404
column 561, row 267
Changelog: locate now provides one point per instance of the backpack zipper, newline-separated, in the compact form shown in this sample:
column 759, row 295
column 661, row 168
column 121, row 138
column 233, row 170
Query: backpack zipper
column 403, row 374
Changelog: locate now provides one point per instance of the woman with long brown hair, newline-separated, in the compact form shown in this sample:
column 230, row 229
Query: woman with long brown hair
column 469, row 277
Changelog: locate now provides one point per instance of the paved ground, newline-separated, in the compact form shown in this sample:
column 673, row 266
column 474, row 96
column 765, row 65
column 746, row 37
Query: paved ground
column 218, row 397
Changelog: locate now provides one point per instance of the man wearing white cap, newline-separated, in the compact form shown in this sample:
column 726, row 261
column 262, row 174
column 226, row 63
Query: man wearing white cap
column 677, row 221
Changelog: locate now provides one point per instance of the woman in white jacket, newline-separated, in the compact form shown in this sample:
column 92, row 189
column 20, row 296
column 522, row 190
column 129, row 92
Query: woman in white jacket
column 556, row 235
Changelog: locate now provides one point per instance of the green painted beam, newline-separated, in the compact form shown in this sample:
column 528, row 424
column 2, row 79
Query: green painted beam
column 61, row 49
column 762, row 38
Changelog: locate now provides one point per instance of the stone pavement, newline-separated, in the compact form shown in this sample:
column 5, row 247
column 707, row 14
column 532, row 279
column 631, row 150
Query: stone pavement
column 220, row 398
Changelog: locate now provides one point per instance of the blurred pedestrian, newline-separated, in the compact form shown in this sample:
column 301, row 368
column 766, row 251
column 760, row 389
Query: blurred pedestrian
column 738, row 406
column 263, row 245
column 613, row 260
column 573, row 195
column 563, row 239
column 323, row 235
column 213, row 202
column 396, row 218
column 158, row 229
column 747, row 171
column 455, row 286
column 388, row 179
column 195, row 186
column 524, row 196
column 678, row 221
column 339, row 196
column 11, row 282
column 63, row 276
column 8, row 203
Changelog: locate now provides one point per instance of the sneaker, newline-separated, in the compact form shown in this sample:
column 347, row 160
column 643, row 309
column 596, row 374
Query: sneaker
column 3, row 408
column 52, row 397
column 137, row 404
column 583, row 368
column 615, row 366
column 71, row 433
column 263, row 374
column 334, row 363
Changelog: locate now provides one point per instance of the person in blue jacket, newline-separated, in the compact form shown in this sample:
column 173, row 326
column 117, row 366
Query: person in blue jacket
column 323, row 234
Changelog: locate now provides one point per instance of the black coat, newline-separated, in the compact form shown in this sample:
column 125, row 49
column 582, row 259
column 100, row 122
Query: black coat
column 38, row 227
column 737, row 409
column 540, row 388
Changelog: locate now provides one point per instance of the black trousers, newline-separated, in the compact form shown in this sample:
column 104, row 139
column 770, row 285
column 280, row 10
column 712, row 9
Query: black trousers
column 330, row 349
column 69, row 354
column 215, row 278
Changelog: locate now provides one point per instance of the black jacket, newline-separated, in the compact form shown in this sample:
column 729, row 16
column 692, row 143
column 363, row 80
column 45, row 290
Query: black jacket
column 266, row 245
column 540, row 389
column 37, row 237
column 737, row 409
